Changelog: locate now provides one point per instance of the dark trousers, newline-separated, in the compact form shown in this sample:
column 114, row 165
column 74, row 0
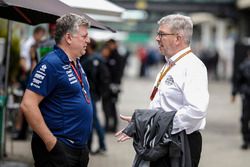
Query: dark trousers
column 195, row 144
column 113, row 117
column 23, row 132
column 110, row 111
column 60, row 156
column 245, row 119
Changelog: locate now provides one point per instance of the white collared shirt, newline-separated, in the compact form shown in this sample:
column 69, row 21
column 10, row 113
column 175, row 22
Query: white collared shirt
column 184, row 89
column 25, row 51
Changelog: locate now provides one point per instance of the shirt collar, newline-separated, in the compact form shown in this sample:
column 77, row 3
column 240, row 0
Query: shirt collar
column 62, row 55
column 174, row 57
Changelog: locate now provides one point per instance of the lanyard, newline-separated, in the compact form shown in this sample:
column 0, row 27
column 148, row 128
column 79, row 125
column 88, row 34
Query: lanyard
column 79, row 78
column 164, row 72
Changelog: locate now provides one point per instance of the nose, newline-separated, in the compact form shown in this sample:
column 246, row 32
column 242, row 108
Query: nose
column 88, row 39
column 157, row 38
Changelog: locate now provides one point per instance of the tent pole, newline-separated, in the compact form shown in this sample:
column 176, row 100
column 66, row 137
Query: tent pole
column 7, row 64
column 8, row 57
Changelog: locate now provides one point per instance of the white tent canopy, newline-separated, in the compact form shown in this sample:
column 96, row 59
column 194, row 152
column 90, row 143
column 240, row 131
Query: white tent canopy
column 100, row 35
column 243, row 4
column 97, row 9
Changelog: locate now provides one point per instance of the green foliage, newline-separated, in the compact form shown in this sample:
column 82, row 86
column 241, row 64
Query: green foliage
column 3, row 27
column 14, row 51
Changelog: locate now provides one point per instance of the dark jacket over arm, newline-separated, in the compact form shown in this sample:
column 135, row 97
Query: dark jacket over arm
column 151, row 131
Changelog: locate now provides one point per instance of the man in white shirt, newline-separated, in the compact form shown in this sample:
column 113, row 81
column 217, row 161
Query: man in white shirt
column 28, row 60
column 182, row 84
column 27, row 54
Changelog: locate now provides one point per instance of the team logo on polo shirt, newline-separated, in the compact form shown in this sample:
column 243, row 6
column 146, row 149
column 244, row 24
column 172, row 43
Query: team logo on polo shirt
column 39, row 76
column 65, row 67
column 69, row 72
column 43, row 68
column 169, row 80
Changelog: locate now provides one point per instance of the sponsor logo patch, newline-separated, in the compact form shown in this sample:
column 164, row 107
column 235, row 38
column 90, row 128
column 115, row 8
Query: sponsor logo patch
column 169, row 80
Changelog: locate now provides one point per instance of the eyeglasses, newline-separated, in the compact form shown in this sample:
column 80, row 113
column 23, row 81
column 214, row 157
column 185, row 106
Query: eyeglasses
column 160, row 34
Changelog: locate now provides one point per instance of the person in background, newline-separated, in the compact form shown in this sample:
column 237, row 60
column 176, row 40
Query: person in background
column 182, row 84
column 99, row 79
column 241, row 85
column 28, row 49
column 114, row 63
column 57, row 102
column 47, row 45
column 107, row 103
column 28, row 61
column 142, row 56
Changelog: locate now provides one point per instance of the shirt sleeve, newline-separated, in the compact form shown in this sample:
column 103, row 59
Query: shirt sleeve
column 196, row 98
column 43, row 79
column 24, row 53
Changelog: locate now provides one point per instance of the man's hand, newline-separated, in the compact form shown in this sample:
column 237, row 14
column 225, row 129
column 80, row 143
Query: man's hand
column 51, row 144
column 126, row 118
column 30, row 108
column 122, row 136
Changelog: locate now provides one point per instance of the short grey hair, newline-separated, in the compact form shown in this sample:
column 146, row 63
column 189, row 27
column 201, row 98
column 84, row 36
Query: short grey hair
column 69, row 23
column 179, row 24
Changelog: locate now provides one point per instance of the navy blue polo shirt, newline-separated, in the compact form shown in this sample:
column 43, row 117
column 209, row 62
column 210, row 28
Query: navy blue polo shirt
column 64, row 108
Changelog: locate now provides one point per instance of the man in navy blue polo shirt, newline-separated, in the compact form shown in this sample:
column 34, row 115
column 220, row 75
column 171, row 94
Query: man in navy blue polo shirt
column 57, row 102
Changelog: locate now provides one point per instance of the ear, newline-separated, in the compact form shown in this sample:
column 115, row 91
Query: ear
column 178, row 39
column 68, row 38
